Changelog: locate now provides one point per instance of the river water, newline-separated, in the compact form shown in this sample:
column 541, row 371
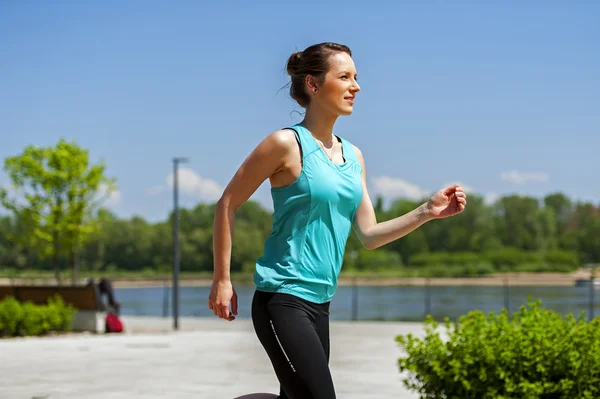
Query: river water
column 397, row 303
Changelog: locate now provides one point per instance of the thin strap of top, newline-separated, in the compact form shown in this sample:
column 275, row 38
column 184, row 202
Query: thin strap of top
column 349, row 151
column 307, row 141
column 309, row 144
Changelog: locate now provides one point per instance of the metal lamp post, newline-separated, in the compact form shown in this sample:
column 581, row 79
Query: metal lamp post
column 176, row 256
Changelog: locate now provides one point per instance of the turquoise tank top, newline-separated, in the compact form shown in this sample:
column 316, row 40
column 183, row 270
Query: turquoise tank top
column 312, row 218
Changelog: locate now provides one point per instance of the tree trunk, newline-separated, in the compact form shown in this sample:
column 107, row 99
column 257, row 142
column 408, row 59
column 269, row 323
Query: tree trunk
column 56, row 258
column 74, row 262
column 55, row 241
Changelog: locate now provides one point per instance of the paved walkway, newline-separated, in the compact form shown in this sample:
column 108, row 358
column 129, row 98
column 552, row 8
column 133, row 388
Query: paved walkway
column 207, row 358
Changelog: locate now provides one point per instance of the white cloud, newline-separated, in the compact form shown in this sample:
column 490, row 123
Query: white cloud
column 517, row 177
column 390, row 188
column 490, row 198
column 192, row 184
column 113, row 198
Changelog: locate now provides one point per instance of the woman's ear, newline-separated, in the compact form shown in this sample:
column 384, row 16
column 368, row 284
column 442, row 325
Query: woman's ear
column 311, row 84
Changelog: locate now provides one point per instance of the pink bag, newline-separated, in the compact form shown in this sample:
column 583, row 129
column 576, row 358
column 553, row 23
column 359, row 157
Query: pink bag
column 113, row 323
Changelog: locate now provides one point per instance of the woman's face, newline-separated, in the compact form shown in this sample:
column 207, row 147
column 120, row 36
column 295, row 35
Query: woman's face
column 339, row 88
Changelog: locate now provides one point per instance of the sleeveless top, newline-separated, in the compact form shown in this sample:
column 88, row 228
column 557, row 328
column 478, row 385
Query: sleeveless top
column 312, row 218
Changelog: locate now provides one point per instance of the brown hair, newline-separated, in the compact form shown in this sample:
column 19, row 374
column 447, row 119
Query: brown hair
column 314, row 61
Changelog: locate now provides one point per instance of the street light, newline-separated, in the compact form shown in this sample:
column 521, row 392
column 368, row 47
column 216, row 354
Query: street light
column 176, row 259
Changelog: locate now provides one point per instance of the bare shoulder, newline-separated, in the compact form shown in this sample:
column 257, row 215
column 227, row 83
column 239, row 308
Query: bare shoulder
column 279, row 142
column 282, row 138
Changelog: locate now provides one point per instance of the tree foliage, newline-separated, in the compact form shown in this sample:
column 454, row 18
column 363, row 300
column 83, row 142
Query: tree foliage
column 58, row 189
column 514, row 234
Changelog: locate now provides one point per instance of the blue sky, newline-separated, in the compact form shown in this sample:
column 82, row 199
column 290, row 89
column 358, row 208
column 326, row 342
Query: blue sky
column 503, row 97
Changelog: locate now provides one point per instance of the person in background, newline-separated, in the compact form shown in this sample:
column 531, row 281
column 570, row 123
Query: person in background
column 105, row 288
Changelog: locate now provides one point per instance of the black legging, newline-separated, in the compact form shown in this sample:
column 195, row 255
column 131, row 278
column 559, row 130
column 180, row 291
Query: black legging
column 295, row 334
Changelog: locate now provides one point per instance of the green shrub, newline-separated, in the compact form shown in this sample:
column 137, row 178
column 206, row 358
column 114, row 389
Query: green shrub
column 437, row 270
column 374, row 260
column 462, row 264
column 563, row 258
column 537, row 354
column 11, row 314
column 543, row 268
column 25, row 319
column 450, row 264
column 444, row 258
column 481, row 268
column 512, row 259
column 60, row 314
column 508, row 259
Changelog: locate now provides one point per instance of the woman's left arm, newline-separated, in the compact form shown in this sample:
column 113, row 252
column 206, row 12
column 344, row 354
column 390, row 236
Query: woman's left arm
column 444, row 203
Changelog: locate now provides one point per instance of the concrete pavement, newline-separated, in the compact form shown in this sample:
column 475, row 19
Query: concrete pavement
column 207, row 358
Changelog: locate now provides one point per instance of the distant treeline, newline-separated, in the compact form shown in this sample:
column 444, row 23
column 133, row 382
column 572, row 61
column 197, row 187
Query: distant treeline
column 516, row 233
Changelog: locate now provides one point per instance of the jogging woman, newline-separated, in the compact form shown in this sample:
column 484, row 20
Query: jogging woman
column 319, row 191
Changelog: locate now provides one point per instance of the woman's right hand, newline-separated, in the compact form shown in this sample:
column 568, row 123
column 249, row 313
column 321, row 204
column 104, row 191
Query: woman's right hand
column 221, row 295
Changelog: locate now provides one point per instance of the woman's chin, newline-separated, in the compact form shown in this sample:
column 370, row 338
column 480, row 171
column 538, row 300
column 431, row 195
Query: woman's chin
column 347, row 110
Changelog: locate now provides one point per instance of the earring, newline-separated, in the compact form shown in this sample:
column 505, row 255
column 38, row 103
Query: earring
column 316, row 90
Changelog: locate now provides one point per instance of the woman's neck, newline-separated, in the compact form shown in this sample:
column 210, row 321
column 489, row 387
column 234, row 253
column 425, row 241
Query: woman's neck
column 320, row 124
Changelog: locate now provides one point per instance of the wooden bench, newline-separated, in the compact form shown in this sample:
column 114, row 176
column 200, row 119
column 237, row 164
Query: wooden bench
column 86, row 299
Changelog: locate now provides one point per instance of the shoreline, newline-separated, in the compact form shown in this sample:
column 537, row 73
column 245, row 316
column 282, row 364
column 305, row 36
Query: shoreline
column 499, row 280
column 511, row 279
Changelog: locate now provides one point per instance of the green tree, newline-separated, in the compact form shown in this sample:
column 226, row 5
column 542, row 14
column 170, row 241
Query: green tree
column 584, row 227
column 8, row 251
column 518, row 222
column 413, row 243
column 515, row 233
column 61, row 190
column 548, row 235
column 478, row 220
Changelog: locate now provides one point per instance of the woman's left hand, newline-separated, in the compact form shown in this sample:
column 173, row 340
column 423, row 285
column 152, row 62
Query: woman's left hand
column 447, row 202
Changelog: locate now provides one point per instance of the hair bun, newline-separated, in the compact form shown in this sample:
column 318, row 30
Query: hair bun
column 294, row 63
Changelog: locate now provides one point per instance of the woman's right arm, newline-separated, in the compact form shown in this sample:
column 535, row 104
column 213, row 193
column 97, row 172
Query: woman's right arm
column 268, row 158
